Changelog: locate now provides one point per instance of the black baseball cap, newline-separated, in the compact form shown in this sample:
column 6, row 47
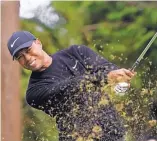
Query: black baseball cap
column 20, row 40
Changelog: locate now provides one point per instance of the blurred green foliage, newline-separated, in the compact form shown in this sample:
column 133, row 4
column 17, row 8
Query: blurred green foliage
column 119, row 31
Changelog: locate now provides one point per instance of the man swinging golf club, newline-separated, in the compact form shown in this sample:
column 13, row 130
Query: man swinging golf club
column 58, row 86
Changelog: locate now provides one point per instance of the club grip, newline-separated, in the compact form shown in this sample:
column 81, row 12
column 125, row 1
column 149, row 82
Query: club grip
column 135, row 65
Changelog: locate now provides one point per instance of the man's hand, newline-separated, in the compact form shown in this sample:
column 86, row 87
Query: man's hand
column 120, row 75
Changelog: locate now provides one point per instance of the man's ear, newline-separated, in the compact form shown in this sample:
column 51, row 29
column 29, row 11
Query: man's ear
column 37, row 41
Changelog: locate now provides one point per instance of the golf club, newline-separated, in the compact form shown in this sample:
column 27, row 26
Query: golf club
column 123, row 86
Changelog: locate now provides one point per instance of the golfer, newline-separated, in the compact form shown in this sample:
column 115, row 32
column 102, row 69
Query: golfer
column 67, row 85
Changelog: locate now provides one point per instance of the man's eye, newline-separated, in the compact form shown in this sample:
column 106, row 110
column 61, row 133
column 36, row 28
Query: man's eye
column 28, row 50
column 18, row 57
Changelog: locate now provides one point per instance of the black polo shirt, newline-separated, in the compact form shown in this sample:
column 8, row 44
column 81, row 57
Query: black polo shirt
column 56, row 91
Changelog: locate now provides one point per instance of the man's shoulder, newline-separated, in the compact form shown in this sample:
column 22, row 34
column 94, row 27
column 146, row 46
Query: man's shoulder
column 77, row 49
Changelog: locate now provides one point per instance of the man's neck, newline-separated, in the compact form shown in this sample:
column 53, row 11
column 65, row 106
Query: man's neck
column 47, row 62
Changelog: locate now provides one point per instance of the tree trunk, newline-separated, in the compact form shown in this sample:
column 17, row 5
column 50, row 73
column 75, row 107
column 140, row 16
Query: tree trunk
column 10, row 75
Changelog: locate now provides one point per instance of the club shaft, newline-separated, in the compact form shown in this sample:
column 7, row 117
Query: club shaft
column 143, row 53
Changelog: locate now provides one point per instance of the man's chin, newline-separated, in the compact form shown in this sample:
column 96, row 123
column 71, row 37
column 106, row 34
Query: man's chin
column 33, row 68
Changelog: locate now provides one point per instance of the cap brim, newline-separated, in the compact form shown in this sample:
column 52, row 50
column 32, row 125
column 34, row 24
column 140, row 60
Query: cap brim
column 25, row 45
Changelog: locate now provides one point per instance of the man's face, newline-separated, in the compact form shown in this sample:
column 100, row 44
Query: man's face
column 31, row 58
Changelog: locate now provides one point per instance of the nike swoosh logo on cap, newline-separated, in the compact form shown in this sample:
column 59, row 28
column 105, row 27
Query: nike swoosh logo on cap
column 14, row 41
